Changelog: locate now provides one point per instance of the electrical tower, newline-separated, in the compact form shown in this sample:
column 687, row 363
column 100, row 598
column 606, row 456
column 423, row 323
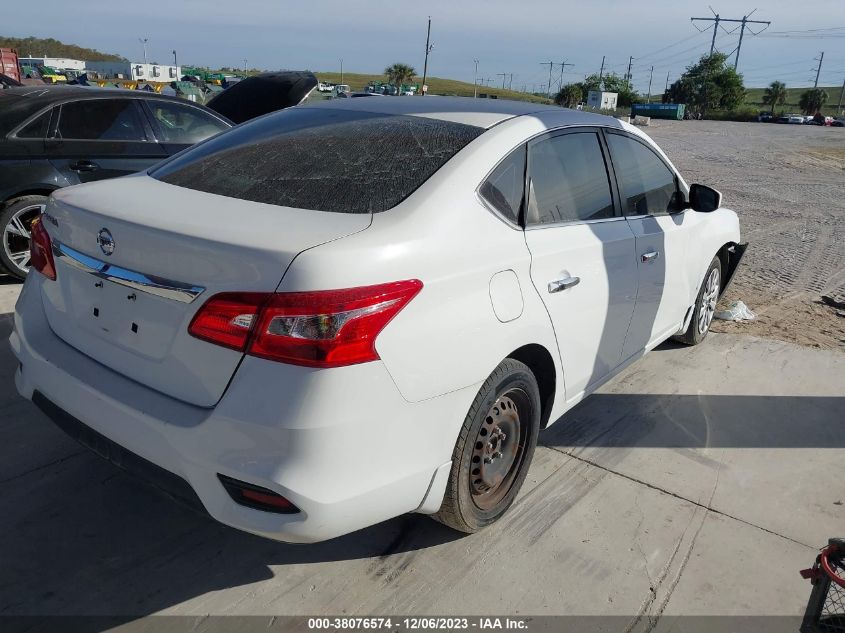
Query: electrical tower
column 743, row 22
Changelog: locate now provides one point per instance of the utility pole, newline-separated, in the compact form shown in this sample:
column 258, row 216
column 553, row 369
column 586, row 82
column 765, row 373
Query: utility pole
column 744, row 22
column 503, row 75
column 563, row 65
column 841, row 95
column 428, row 48
column 510, row 82
column 628, row 75
column 819, row 70
column 650, row 77
column 341, row 70
column 144, row 41
column 245, row 66
column 175, row 63
column 475, row 81
column 667, row 81
column 601, row 72
column 551, row 64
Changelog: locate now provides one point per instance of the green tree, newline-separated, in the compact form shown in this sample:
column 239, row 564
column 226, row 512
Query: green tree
column 54, row 48
column 710, row 84
column 570, row 95
column 775, row 95
column 812, row 100
column 398, row 74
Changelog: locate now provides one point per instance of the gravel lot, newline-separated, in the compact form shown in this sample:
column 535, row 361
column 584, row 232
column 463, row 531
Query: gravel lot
column 787, row 182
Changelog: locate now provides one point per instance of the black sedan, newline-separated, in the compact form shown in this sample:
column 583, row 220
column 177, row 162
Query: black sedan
column 57, row 136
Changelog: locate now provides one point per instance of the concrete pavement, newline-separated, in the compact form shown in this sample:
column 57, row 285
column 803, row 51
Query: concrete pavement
column 697, row 482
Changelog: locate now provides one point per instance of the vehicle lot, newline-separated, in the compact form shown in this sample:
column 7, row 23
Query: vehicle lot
column 787, row 183
column 697, row 482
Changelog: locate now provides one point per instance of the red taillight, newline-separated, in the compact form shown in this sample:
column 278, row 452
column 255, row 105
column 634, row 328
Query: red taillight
column 328, row 328
column 41, row 250
column 227, row 319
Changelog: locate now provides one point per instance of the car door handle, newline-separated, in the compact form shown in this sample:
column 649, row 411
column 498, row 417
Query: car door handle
column 84, row 165
column 650, row 257
column 562, row 284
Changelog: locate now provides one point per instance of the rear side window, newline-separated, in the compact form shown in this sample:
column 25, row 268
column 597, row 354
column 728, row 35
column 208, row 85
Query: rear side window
column 503, row 189
column 37, row 128
column 569, row 181
column 182, row 124
column 100, row 120
column 321, row 159
column 648, row 185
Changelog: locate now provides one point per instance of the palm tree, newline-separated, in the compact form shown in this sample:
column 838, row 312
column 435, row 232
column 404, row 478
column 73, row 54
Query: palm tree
column 398, row 74
column 775, row 95
column 812, row 100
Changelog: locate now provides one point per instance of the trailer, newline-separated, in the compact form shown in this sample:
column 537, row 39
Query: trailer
column 659, row 110
column 9, row 63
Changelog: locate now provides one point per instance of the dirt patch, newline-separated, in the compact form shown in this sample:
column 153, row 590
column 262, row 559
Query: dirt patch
column 786, row 184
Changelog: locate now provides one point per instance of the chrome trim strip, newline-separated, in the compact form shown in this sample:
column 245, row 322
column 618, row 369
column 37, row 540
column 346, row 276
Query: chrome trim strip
column 158, row 286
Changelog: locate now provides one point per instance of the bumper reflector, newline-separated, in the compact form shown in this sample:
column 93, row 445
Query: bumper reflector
column 256, row 497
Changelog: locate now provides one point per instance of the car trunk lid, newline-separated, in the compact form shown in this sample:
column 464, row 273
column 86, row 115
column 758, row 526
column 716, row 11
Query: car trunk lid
column 136, row 258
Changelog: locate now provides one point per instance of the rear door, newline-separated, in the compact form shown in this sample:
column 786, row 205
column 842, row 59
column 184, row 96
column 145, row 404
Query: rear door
column 582, row 253
column 97, row 139
column 650, row 191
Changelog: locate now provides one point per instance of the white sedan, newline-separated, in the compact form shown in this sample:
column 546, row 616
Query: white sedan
column 304, row 337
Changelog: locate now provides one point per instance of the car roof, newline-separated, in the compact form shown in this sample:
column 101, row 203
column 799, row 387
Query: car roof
column 18, row 104
column 484, row 113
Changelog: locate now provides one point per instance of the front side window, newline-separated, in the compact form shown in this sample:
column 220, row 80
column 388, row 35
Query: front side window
column 322, row 159
column 568, row 180
column 183, row 124
column 100, row 120
column 503, row 189
column 648, row 185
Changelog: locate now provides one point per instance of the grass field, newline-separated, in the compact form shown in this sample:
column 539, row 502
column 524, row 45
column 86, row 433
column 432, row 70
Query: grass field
column 436, row 86
column 755, row 98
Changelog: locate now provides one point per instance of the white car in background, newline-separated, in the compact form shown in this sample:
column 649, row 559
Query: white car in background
column 304, row 337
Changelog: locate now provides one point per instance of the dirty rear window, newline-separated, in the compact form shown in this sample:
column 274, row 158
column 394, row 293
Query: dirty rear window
column 321, row 159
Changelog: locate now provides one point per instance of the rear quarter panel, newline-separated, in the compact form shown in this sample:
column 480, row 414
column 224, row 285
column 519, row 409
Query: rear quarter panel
column 448, row 337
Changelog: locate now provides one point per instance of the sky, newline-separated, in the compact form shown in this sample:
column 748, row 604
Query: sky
column 514, row 37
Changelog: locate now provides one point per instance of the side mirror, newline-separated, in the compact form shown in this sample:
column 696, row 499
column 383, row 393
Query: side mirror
column 704, row 199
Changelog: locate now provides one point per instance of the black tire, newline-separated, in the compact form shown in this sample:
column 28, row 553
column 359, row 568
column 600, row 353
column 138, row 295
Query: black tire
column 510, row 391
column 16, row 216
column 694, row 334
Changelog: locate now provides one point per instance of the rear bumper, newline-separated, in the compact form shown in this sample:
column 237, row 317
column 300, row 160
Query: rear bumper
column 341, row 444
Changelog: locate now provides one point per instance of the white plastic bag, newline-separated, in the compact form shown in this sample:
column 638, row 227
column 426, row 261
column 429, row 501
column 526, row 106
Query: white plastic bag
column 737, row 311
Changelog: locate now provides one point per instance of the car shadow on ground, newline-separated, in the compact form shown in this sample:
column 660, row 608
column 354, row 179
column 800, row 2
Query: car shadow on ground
column 80, row 537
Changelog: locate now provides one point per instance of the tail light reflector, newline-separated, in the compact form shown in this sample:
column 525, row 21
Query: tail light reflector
column 41, row 250
column 256, row 497
column 328, row 328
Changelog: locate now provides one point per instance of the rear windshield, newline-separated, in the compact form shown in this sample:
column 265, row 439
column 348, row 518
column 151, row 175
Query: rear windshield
column 321, row 159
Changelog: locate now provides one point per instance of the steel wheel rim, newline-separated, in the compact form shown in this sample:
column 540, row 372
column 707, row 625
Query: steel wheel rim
column 709, row 299
column 499, row 449
column 16, row 236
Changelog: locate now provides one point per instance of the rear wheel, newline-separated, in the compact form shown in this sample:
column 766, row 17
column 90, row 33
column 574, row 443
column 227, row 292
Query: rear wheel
column 705, row 305
column 493, row 450
column 16, row 220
